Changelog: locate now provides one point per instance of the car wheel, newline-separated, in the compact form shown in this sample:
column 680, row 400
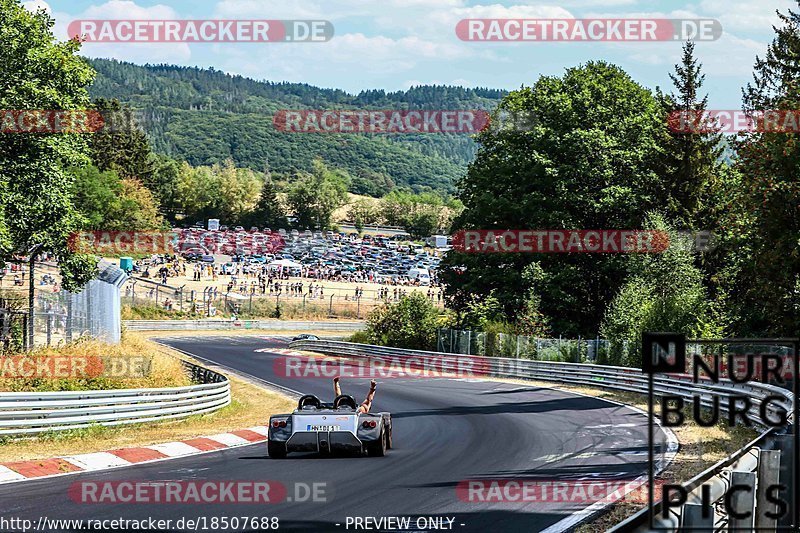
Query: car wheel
column 378, row 448
column 276, row 450
column 389, row 443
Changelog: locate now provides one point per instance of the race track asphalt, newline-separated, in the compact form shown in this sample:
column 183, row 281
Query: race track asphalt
column 445, row 431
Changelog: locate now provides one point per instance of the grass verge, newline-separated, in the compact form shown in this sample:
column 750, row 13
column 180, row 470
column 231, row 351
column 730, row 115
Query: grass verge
column 251, row 406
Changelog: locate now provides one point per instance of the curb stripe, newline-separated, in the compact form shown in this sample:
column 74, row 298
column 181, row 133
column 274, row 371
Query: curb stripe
column 42, row 467
column 174, row 449
column 138, row 455
column 6, row 474
column 96, row 461
column 204, row 444
column 228, row 439
column 248, row 435
column 86, row 462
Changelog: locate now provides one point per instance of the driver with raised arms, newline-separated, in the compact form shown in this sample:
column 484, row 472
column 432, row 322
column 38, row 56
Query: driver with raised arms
column 367, row 403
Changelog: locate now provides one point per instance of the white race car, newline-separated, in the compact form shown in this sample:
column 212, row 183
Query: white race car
column 329, row 428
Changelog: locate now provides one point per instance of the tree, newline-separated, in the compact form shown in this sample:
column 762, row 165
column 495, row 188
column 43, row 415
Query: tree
column 410, row 323
column 269, row 211
column 663, row 292
column 589, row 161
column 35, row 205
column 163, row 183
column 371, row 183
column 362, row 212
column 110, row 203
column 314, row 196
column 238, row 191
column 765, row 292
column 421, row 215
column 692, row 158
column 220, row 191
column 121, row 146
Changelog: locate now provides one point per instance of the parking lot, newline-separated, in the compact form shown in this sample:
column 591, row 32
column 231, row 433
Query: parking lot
column 328, row 268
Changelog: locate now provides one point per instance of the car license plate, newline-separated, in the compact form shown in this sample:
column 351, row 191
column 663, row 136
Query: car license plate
column 322, row 428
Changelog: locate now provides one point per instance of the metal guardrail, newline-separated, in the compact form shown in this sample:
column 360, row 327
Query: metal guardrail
column 31, row 413
column 270, row 325
column 747, row 465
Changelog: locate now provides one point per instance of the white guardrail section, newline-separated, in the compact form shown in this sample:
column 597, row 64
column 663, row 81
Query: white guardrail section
column 273, row 325
column 745, row 463
column 29, row 413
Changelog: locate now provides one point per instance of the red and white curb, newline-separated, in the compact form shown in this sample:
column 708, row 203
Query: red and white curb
column 282, row 351
column 89, row 462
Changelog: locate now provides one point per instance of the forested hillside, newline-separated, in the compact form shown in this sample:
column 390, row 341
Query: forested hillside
column 208, row 116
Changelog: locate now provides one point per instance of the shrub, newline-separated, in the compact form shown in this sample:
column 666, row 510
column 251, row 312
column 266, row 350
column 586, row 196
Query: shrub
column 410, row 323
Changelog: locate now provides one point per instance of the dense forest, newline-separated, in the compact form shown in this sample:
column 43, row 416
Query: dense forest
column 206, row 117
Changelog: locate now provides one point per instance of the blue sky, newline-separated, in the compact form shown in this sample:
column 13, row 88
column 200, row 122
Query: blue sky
column 394, row 44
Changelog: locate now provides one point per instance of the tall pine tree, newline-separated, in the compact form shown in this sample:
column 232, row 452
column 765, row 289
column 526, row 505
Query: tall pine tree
column 692, row 159
column 269, row 211
column 767, row 289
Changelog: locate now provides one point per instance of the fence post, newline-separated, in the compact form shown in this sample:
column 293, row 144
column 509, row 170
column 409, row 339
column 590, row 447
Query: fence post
column 25, row 319
column 692, row 517
column 68, row 332
column 49, row 327
column 517, row 346
column 743, row 501
column 358, row 307
column 330, row 308
column 181, row 297
column 769, row 463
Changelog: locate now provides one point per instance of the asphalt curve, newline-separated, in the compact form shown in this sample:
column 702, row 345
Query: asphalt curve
column 445, row 431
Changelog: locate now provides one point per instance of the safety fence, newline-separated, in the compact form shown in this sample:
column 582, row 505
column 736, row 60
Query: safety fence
column 267, row 325
column 31, row 413
column 252, row 302
column 60, row 316
column 467, row 342
column 751, row 464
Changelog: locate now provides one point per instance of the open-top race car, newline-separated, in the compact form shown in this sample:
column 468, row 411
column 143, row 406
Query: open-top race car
column 328, row 428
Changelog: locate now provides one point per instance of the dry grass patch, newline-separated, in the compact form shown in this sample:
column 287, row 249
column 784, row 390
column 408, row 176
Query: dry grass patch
column 92, row 365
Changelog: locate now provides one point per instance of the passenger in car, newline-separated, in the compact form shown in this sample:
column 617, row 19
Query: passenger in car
column 367, row 403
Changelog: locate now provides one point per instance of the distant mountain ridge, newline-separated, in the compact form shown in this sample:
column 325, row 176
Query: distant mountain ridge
column 206, row 116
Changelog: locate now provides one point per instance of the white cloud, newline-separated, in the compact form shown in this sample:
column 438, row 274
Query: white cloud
column 35, row 5
column 134, row 52
column 746, row 15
